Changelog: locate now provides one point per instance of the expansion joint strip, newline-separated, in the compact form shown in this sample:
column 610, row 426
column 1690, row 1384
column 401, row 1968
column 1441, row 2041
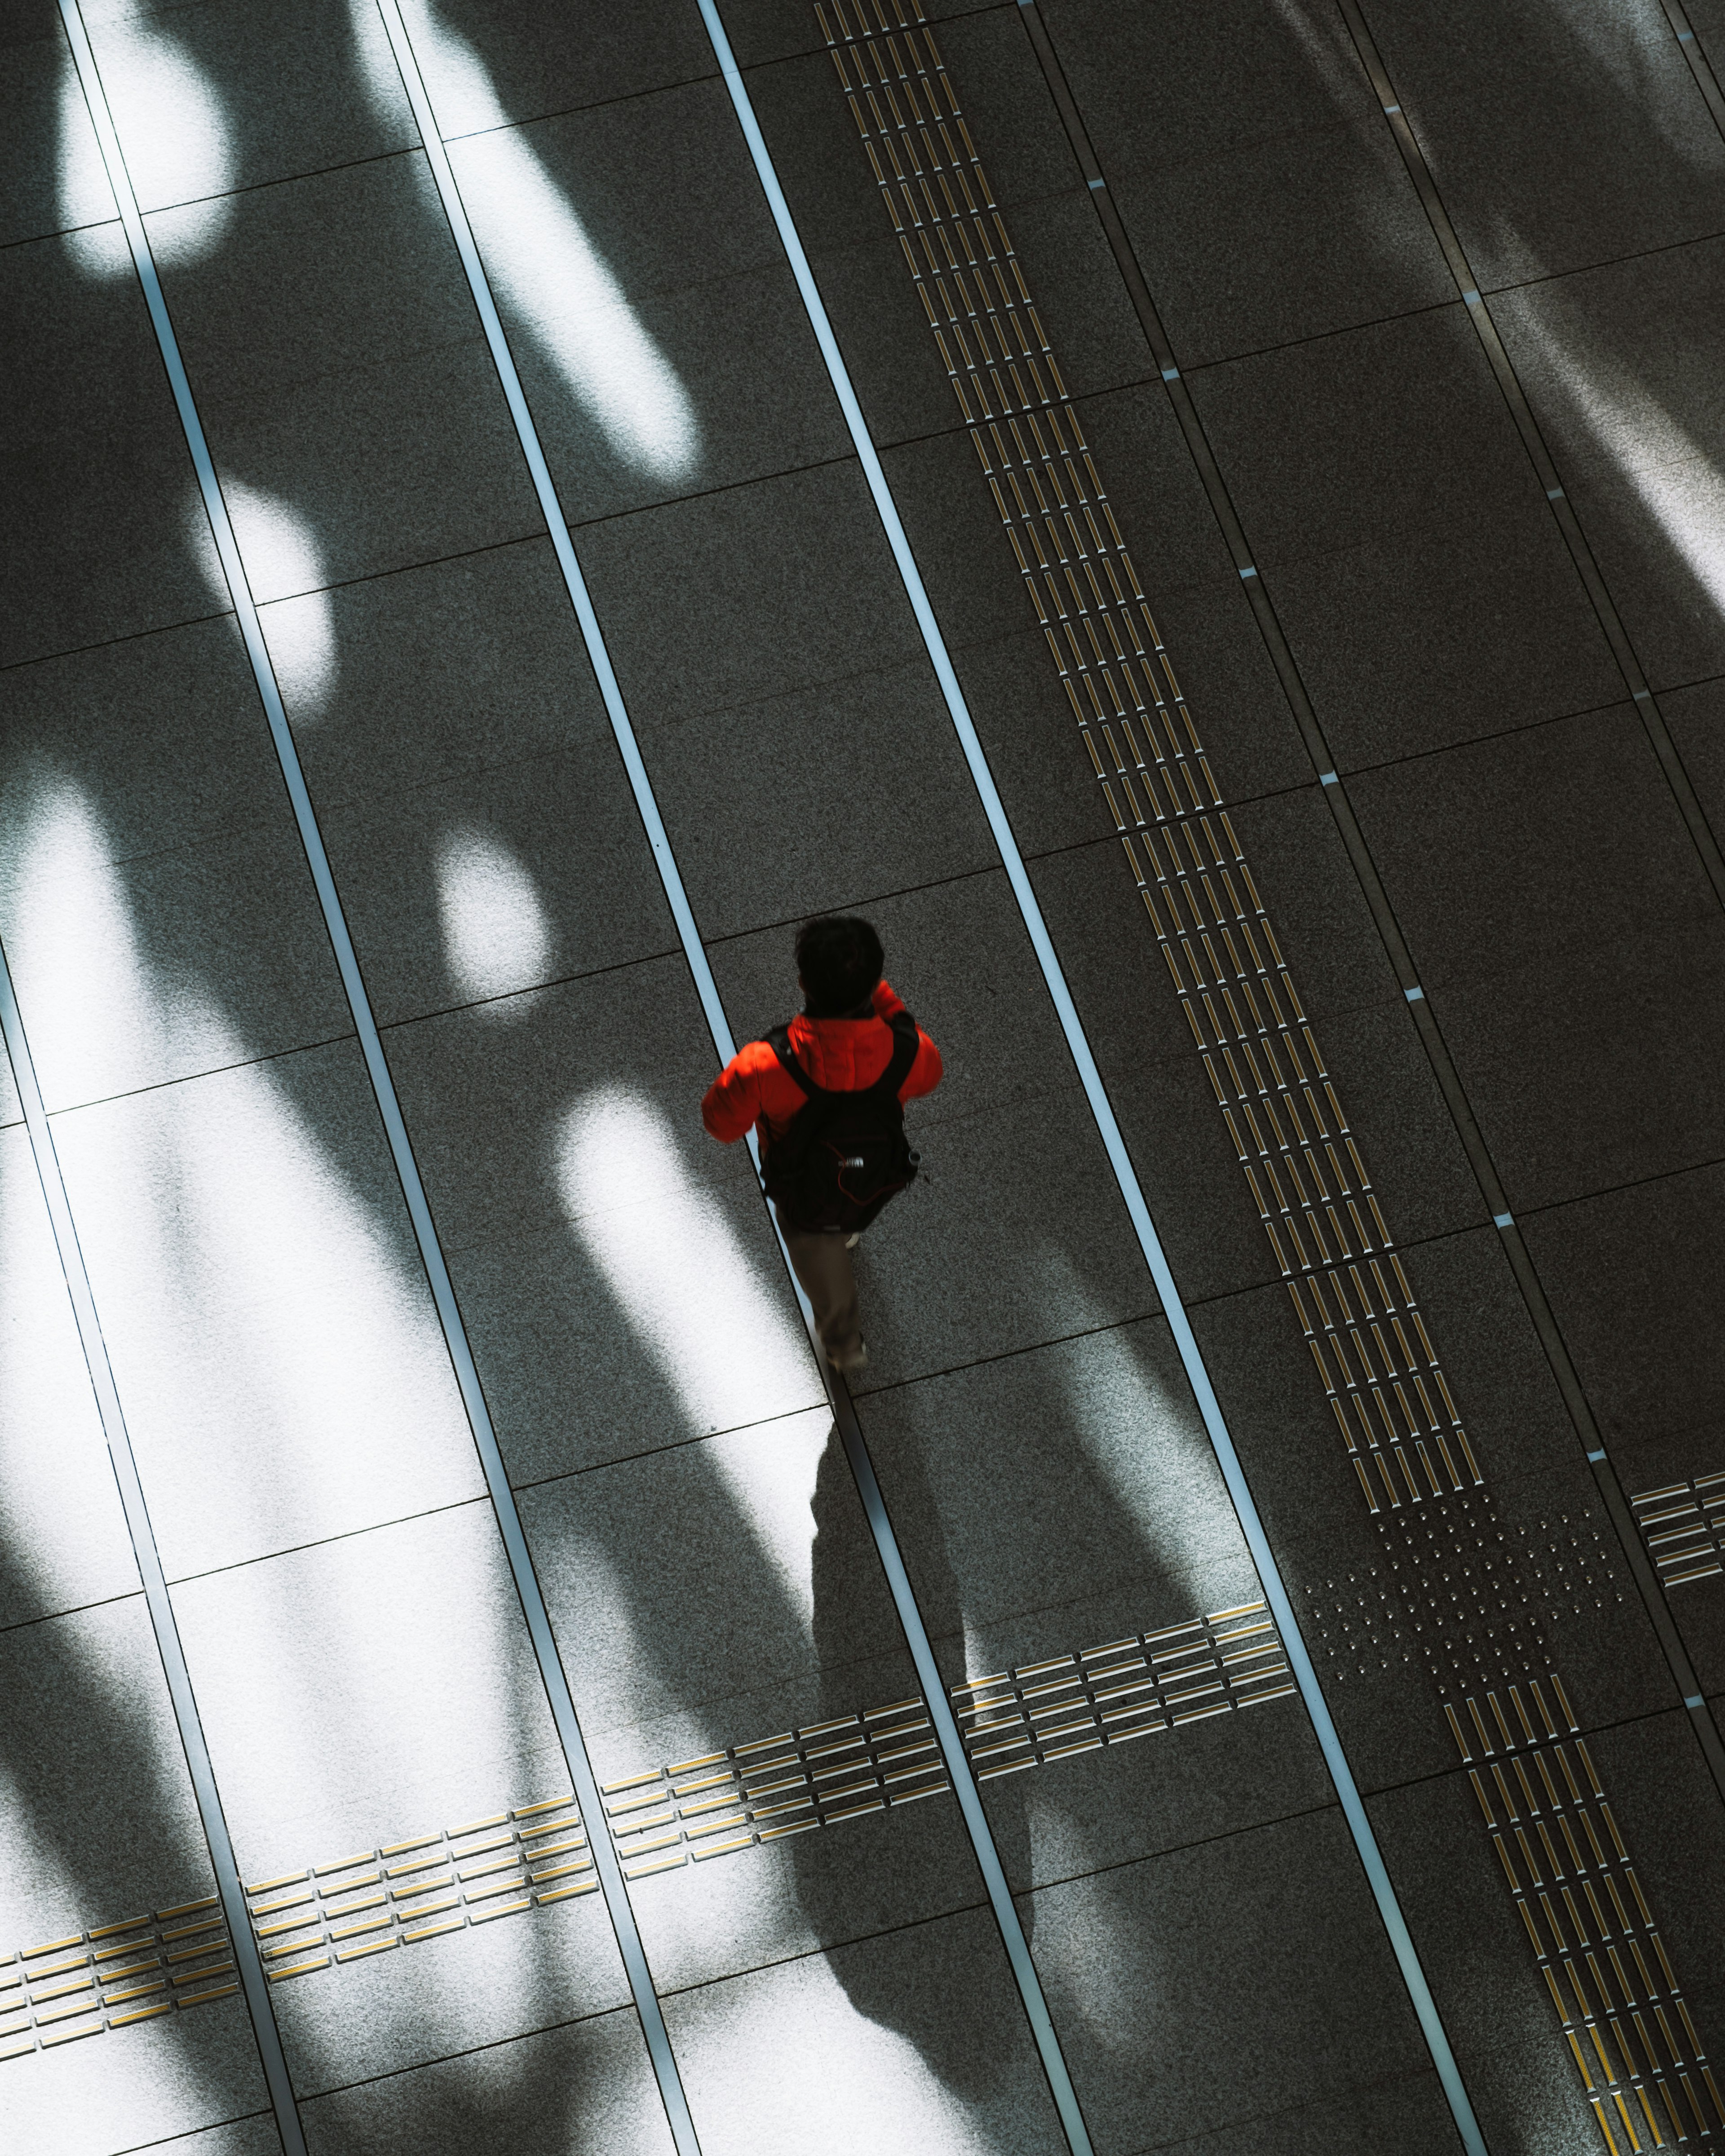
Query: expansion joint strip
column 1126, row 1176
column 1528, row 1283
column 241, row 1946
column 443, row 1292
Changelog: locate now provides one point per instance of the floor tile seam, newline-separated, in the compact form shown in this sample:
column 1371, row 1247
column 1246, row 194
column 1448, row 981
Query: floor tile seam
column 1461, row 1769
column 1280, row 652
column 255, row 187
column 179, row 1579
column 111, row 642
column 1679, row 924
column 1252, row 1826
column 882, row 897
column 317, row 2096
column 694, row 1986
column 177, row 2139
column 197, row 1077
column 817, row 1405
column 752, row 70
column 1465, row 743
column 611, row 517
column 552, row 982
column 1210, row 2137
column 13, row 1624
column 899, row 1385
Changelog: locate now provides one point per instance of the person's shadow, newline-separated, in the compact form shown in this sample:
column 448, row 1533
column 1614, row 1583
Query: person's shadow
column 963, row 2051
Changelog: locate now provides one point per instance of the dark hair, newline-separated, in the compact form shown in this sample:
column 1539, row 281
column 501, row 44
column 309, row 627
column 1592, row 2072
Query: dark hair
column 840, row 959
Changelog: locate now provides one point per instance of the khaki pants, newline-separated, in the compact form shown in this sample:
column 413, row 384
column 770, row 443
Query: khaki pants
column 823, row 1265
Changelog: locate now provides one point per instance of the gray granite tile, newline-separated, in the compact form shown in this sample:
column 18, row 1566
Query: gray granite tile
column 1499, row 853
column 364, row 1690
column 533, row 57
column 617, row 1272
column 1399, row 2111
column 154, row 896
column 62, row 1532
column 1634, row 1275
column 255, row 2135
column 153, row 2086
column 208, row 99
column 912, row 2041
column 1560, row 135
column 1268, row 1969
column 51, row 174
column 351, row 403
column 281, row 1369
column 1694, row 716
column 98, row 544
column 1143, row 1535
column 585, row 2087
column 445, row 671
column 662, row 356
column 1580, row 1072
column 488, row 886
column 721, row 602
column 1258, row 183
column 1423, row 586
column 849, row 789
column 1610, row 358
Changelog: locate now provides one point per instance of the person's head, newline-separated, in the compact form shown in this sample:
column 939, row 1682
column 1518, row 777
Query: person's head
column 839, row 961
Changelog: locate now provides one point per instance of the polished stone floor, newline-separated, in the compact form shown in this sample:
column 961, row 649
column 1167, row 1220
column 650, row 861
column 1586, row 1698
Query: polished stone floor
column 1204, row 518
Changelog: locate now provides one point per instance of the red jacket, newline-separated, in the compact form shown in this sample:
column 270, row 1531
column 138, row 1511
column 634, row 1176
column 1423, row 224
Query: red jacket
column 843, row 1055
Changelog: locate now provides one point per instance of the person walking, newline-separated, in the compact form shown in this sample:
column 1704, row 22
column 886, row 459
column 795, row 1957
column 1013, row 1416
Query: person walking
column 827, row 1094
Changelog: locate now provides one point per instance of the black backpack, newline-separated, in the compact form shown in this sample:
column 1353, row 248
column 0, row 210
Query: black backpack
column 844, row 1154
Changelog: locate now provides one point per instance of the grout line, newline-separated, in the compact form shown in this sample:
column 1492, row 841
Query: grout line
column 181, row 1697
column 1221, row 1439
column 1540, row 1313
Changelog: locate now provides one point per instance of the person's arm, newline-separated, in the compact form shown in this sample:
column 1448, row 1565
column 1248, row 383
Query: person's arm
column 732, row 1103
column 925, row 1073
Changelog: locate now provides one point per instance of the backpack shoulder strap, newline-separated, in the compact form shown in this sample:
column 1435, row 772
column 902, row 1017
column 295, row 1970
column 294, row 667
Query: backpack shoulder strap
column 904, row 1045
column 779, row 1041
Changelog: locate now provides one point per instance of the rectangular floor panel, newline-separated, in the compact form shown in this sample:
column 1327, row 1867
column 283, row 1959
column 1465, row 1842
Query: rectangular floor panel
column 1223, row 1984
column 280, row 1366
column 107, row 1899
column 374, row 1713
column 62, row 1537
column 910, row 2041
column 582, row 2089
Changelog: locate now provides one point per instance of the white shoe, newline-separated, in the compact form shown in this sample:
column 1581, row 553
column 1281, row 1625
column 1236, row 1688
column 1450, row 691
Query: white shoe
column 851, row 1241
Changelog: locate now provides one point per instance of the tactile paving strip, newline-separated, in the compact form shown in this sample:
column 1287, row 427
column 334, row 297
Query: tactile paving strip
column 1298, row 1151
column 1684, row 1527
column 1302, row 1161
column 1587, row 1918
column 533, row 1856
column 161, row 1963
column 831, row 1771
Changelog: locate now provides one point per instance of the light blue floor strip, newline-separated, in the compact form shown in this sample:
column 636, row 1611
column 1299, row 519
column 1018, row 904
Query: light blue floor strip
column 254, row 1984
column 945, row 1725
column 551, row 1668
column 1275, row 1592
